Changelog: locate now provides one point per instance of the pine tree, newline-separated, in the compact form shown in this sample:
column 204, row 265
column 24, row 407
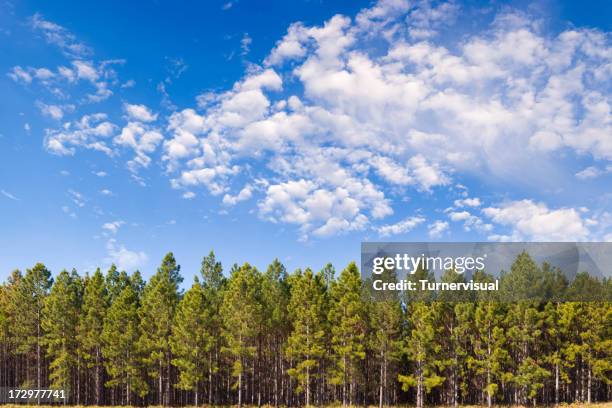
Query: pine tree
column 453, row 311
column 489, row 348
column 213, row 283
column 385, row 317
column 347, row 317
column 158, row 306
column 420, row 347
column 29, row 302
column 305, row 345
column 60, row 324
column 120, row 334
column 275, row 299
column 95, row 306
column 241, row 312
column 191, row 341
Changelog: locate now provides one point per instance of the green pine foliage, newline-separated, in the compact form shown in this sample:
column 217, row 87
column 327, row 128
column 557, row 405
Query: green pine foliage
column 305, row 345
column 60, row 324
column 306, row 338
column 191, row 341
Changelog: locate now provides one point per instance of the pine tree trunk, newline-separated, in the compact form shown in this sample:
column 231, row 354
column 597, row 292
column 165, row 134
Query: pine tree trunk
column 210, row 381
column 240, row 389
column 557, row 384
column 97, row 379
column 589, row 380
column 344, row 384
column 307, row 386
column 419, row 385
column 160, row 385
column 380, row 391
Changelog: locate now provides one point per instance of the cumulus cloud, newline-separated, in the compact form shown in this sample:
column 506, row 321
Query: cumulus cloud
column 437, row 229
column 243, row 195
column 139, row 113
column 414, row 111
column 316, row 210
column 112, row 227
column 124, row 258
column 469, row 221
column 342, row 118
column 533, row 221
column 142, row 139
column 468, row 202
column 90, row 132
column 405, row 225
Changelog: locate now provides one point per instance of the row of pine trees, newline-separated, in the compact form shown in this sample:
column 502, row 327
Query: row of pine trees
column 301, row 338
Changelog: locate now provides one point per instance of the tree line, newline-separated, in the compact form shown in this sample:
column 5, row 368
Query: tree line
column 302, row 338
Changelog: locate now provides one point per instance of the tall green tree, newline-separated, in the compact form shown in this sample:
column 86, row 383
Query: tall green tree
column 213, row 283
column 95, row 306
column 158, row 307
column 275, row 299
column 120, row 335
column 60, row 325
column 347, row 317
column 241, row 312
column 30, row 300
column 305, row 345
column 385, row 315
column 191, row 341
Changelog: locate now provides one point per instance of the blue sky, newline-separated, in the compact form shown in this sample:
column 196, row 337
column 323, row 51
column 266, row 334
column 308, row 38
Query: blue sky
column 298, row 129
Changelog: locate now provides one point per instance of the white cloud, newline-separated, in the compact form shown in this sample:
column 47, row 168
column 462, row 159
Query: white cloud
column 124, row 258
column 592, row 172
column 53, row 111
column 428, row 175
column 101, row 173
column 401, row 227
column 374, row 107
column 468, row 202
column 112, row 227
column 90, row 132
column 316, row 210
column 188, row 195
column 18, row 74
column 245, row 44
column 459, row 215
column 437, row 229
column 408, row 112
column 469, row 220
column 106, row 192
column 59, row 36
column 77, row 198
column 536, row 222
column 243, row 195
column 290, row 47
column 139, row 113
column 68, row 211
column 9, row 195
column 142, row 139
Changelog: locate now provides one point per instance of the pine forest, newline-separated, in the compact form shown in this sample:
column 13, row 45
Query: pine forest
column 302, row 338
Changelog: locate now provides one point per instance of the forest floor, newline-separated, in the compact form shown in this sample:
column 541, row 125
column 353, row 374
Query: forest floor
column 594, row 405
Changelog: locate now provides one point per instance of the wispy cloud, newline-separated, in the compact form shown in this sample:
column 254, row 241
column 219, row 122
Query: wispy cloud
column 8, row 195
